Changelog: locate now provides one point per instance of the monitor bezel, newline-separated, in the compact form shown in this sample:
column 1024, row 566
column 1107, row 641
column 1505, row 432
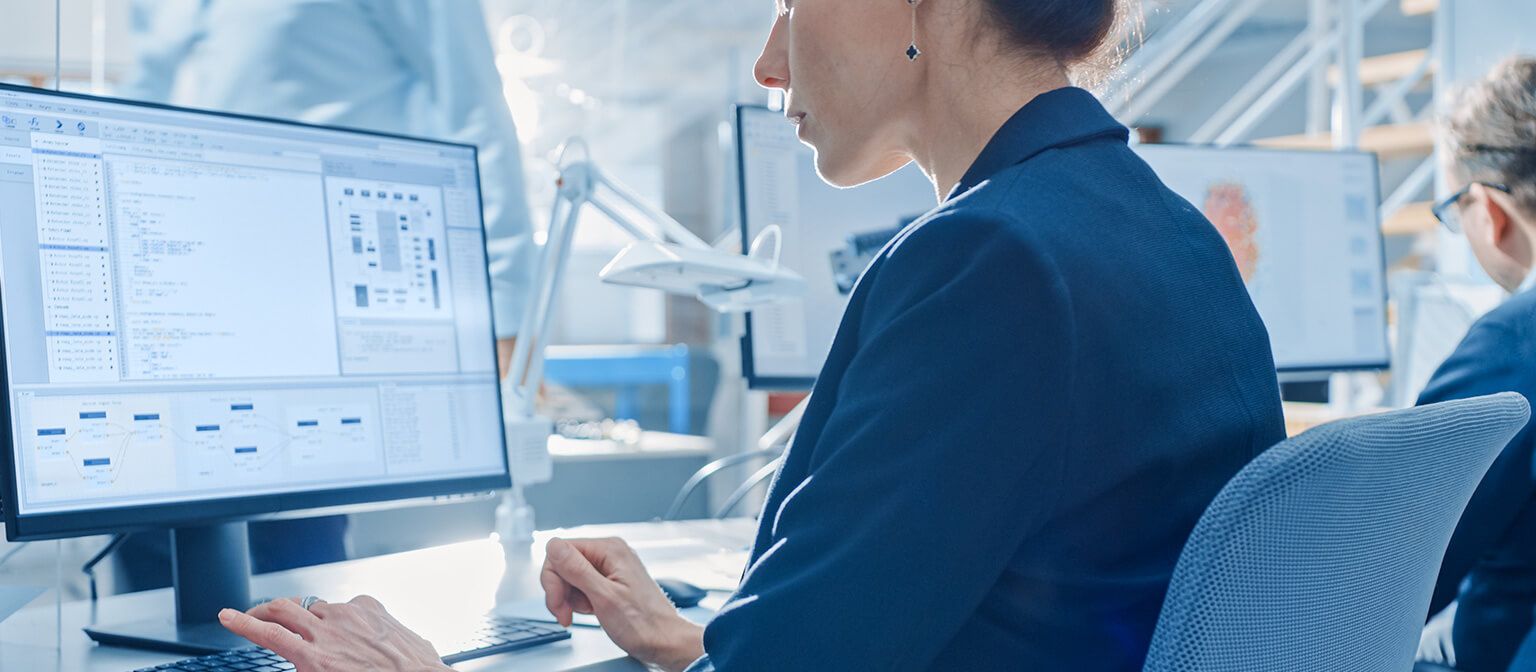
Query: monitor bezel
column 1345, row 367
column 54, row 525
column 755, row 381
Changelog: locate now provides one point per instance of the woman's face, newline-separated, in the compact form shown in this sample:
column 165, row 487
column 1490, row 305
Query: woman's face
column 848, row 83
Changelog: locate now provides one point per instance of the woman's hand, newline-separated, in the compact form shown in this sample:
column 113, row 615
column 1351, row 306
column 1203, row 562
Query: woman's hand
column 358, row 635
column 605, row 577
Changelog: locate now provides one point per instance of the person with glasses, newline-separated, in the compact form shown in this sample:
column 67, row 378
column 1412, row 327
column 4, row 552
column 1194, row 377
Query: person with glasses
column 1490, row 567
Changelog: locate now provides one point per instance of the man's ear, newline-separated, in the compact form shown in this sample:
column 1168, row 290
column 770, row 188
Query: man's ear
column 1500, row 227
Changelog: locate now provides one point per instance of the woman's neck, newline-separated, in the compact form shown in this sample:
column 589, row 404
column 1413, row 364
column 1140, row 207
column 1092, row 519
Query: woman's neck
column 963, row 109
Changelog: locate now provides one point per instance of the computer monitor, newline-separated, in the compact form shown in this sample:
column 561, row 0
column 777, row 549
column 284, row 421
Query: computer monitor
column 830, row 236
column 210, row 317
column 1305, row 229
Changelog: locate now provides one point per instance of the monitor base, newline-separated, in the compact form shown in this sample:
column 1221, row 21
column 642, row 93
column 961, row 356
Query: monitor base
column 165, row 635
column 210, row 570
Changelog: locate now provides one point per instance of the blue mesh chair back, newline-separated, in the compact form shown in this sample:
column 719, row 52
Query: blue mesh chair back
column 1321, row 554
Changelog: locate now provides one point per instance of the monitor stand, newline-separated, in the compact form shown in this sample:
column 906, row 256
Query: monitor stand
column 211, row 570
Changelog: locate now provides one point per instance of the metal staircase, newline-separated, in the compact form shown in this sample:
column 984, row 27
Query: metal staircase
column 1352, row 102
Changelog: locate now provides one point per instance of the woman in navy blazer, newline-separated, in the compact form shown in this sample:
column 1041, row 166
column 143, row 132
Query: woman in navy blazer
column 1034, row 393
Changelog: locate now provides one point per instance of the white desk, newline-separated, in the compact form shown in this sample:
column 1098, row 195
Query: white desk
column 425, row 589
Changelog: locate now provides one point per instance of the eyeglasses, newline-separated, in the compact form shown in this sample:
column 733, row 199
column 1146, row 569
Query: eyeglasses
column 1447, row 212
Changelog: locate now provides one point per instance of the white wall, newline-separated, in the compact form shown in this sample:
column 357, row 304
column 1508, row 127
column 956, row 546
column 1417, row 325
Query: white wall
column 1483, row 32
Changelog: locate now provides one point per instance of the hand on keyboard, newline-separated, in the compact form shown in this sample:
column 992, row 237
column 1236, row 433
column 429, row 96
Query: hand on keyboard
column 493, row 635
column 358, row 635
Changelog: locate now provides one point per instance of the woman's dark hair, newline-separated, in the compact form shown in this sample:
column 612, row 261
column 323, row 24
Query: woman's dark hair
column 1084, row 35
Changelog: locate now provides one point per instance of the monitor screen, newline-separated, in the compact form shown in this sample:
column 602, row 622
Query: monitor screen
column 830, row 236
column 1305, row 230
column 209, row 315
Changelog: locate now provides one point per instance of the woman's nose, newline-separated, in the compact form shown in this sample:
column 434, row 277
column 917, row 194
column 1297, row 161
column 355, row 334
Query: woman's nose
column 772, row 68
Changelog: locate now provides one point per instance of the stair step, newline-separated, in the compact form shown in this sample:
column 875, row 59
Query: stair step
column 1385, row 69
column 1419, row 7
column 1390, row 141
column 1413, row 219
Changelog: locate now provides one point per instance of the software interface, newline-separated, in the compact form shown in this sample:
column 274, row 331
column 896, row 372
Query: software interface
column 830, row 236
column 198, row 307
column 1305, row 232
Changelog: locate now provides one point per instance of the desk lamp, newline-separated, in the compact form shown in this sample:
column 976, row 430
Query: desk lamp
column 665, row 256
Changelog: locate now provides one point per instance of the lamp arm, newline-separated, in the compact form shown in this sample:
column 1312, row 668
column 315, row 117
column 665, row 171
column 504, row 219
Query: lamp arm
column 581, row 184
column 526, row 371
column 670, row 228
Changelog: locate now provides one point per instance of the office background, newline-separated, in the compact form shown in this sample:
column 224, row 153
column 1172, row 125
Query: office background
column 608, row 70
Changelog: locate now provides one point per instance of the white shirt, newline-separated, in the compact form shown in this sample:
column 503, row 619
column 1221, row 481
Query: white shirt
column 415, row 67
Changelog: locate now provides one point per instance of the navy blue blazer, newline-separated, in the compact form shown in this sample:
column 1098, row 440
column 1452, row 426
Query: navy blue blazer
column 1036, row 390
column 1491, row 562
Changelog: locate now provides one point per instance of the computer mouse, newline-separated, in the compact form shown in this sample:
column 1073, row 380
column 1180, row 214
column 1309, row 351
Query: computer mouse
column 682, row 593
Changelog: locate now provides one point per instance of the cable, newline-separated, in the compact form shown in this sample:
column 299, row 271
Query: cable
column 746, row 488
column 90, row 565
column 711, row 469
column 12, row 553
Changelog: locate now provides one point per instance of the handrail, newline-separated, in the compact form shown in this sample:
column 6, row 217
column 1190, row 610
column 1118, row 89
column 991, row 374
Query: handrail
column 1258, row 97
column 1271, row 98
column 1412, row 186
column 1292, row 77
column 1196, row 54
column 1255, row 87
column 1388, row 99
column 1161, row 51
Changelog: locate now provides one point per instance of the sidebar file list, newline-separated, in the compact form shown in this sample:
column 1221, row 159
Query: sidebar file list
column 78, row 312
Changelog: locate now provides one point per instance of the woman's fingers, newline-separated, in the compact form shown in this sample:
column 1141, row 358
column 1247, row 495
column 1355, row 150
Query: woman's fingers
column 569, row 563
column 555, row 591
column 280, row 640
column 288, row 614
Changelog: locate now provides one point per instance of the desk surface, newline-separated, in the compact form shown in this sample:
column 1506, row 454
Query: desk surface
column 425, row 589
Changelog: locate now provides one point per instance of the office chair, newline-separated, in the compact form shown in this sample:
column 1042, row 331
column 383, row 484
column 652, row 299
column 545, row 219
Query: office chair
column 1322, row 553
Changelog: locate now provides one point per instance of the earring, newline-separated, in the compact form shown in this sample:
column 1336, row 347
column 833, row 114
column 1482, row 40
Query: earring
column 912, row 51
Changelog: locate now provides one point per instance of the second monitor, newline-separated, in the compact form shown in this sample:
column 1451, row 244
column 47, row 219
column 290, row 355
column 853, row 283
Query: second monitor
column 1305, row 231
column 1303, row 227
column 830, row 235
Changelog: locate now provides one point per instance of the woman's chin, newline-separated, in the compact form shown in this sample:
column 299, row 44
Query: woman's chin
column 831, row 171
column 845, row 174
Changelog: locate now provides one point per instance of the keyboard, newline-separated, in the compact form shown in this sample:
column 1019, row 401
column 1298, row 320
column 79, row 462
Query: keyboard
column 495, row 635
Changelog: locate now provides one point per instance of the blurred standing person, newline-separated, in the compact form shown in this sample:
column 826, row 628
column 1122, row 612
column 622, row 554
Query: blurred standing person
column 413, row 67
